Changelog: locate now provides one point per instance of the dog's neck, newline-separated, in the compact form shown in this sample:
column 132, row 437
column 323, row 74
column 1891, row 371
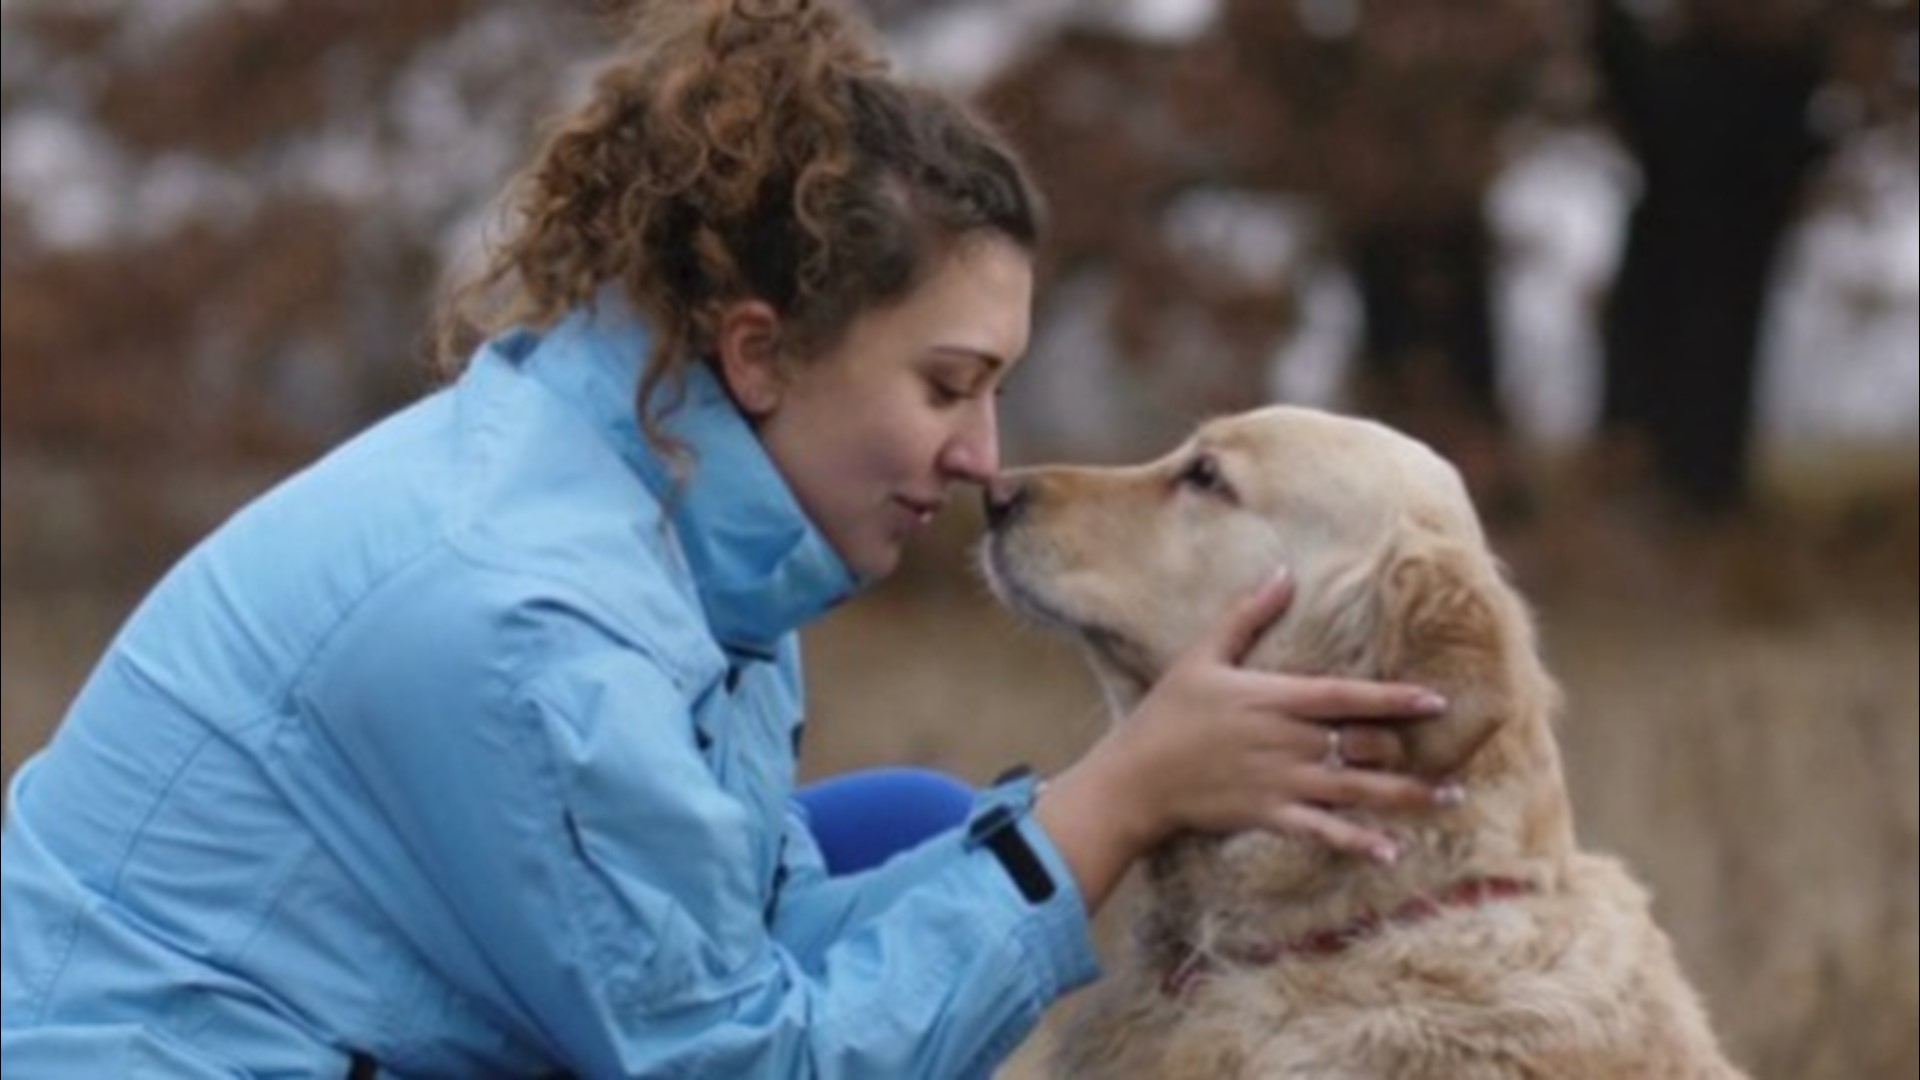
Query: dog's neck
column 1255, row 892
column 1185, row 962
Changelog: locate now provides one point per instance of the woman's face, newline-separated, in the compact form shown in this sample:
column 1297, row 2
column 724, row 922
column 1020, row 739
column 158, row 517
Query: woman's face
column 872, row 434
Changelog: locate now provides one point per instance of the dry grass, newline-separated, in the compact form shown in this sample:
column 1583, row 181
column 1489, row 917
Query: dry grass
column 1744, row 727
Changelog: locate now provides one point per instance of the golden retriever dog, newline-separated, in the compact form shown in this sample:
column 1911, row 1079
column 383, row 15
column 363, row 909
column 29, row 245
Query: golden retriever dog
column 1494, row 947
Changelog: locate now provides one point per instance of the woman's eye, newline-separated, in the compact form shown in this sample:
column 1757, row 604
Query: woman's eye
column 945, row 393
column 1203, row 475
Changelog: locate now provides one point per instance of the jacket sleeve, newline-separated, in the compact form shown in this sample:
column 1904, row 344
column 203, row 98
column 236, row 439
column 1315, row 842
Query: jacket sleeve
column 599, row 887
column 816, row 910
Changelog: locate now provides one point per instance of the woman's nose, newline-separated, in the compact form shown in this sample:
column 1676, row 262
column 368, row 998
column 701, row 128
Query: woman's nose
column 973, row 453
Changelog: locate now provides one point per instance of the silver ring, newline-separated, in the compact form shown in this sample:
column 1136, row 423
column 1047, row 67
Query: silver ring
column 1333, row 758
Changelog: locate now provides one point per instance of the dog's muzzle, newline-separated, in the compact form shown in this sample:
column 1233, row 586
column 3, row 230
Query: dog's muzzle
column 1005, row 501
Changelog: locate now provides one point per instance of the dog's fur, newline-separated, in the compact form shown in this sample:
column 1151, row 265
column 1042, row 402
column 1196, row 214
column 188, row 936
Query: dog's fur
column 1566, row 977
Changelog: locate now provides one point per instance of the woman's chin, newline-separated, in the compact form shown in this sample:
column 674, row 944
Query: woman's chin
column 875, row 561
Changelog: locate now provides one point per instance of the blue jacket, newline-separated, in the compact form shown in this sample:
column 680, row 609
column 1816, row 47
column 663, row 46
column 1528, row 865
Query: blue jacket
column 470, row 748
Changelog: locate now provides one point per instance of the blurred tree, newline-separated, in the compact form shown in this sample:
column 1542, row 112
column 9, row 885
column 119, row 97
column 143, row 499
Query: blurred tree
column 16, row 229
column 267, row 70
column 1729, row 108
column 224, row 226
column 239, row 210
column 1386, row 119
column 1115, row 129
column 1712, row 102
column 250, row 206
column 1403, row 117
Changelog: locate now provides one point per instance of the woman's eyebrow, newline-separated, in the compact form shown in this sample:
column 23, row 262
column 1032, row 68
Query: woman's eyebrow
column 993, row 361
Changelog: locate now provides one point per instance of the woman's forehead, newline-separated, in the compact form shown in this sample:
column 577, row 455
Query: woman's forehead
column 975, row 306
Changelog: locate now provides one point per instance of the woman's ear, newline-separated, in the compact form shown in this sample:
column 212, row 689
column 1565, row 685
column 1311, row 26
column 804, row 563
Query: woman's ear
column 747, row 344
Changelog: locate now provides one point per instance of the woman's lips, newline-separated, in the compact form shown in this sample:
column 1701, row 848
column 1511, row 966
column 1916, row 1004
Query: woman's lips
column 919, row 512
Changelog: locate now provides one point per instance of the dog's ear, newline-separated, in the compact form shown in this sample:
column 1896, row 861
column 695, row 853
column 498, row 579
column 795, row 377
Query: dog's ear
column 1422, row 609
column 1436, row 624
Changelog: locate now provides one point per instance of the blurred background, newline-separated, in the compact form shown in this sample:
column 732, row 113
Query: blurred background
column 1647, row 270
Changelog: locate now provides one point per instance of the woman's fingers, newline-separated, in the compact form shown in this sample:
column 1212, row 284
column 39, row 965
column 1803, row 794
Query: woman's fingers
column 1233, row 636
column 1340, row 787
column 1308, row 697
column 1359, row 745
column 1316, row 697
column 1235, row 748
column 1327, row 791
column 1336, row 832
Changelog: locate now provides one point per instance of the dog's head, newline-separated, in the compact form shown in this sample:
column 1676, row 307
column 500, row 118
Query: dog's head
column 1394, row 577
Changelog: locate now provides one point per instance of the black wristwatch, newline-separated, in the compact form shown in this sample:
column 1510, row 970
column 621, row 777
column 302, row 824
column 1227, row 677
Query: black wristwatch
column 995, row 825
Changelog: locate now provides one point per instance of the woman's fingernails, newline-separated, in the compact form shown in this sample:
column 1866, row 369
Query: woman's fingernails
column 1386, row 854
column 1449, row 795
column 1281, row 574
column 1429, row 701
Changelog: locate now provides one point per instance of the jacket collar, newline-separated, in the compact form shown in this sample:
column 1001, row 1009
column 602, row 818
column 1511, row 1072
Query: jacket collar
column 760, row 567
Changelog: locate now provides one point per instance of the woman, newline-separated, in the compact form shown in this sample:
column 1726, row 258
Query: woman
column 469, row 751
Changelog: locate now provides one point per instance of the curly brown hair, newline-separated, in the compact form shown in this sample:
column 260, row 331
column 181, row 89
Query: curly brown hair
column 741, row 149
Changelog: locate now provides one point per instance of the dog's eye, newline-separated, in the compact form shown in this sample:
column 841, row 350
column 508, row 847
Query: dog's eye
column 1203, row 474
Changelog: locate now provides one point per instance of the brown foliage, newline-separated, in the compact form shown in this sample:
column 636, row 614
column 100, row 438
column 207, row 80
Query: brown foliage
column 256, row 329
column 16, row 232
column 256, row 74
column 91, row 339
column 1393, row 120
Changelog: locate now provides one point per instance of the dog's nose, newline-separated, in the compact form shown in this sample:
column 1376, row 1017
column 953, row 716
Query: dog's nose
column 1005, row 499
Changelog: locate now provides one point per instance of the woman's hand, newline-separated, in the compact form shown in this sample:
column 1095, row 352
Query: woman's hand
column 1214, row 747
